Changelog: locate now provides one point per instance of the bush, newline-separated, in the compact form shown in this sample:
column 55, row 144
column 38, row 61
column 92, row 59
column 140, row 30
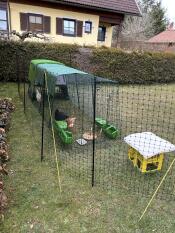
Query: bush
column 135, row 67
column 12, row 52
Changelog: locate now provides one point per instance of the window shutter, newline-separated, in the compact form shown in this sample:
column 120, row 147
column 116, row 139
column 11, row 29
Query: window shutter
column 79, row 28
column 47, row 21
column 24, row 21
column 59, row 26
column 3, row 5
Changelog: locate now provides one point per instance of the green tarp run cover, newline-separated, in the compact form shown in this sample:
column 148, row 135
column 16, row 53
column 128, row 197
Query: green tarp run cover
column 55, row 73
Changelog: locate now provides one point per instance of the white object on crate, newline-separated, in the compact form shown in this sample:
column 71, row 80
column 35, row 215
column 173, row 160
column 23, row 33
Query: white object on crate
column 148, row 144
column 81, row 142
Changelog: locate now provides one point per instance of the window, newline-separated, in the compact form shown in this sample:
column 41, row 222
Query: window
column 101, row 33
column 69, row 27
column 3, row 20
column 35, row 23
column 88, row 27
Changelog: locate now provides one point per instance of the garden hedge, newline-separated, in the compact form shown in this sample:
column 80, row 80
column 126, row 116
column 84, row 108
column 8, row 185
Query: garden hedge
column 11, row 51
column 134, row 67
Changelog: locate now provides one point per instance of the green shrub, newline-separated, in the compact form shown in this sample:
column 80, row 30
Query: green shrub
column 135, row 67
column 12, row 52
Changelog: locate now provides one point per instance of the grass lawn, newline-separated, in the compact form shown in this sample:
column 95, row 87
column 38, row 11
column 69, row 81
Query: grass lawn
column 35, row 204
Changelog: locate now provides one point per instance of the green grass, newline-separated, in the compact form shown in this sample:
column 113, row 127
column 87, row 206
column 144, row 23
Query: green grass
column 35, row 205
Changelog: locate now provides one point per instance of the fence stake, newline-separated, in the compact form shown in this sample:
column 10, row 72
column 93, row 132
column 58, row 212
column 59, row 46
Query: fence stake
column 78, row 97
column 24, row 87
column 17, row 73
column 94, row 116
column 43, row 118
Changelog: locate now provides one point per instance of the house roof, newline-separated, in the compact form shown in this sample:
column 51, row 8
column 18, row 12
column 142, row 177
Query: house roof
column 118, row 6
column 167, row 36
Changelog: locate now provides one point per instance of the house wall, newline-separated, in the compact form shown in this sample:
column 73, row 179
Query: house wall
column 86, row 39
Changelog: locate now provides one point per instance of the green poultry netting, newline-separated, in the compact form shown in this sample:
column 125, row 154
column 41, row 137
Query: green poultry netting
column 94, row 116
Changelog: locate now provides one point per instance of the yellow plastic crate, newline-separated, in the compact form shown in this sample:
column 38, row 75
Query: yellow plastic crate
column 145, row 165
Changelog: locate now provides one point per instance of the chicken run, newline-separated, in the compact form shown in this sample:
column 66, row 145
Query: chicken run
column 108, row 120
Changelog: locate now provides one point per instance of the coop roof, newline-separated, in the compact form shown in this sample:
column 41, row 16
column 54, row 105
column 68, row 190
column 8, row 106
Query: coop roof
column 44, row 61
column 59, row 69
column 148, row 144
column 34, row 64
column 58, row 73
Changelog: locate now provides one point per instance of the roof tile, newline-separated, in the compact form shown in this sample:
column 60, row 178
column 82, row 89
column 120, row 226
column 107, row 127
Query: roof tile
column 124, row 6
column 167, row 36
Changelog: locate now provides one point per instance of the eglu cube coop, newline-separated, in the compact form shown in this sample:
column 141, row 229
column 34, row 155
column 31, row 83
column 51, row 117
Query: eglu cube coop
column 147, row 151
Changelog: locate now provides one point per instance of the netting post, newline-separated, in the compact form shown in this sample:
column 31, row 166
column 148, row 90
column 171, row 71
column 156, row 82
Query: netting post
column 70, row 57
column 17, row 73
column 52, row 108
column 24, row 97
column 78, row 97
column 94, row 116
column 43, row 118
column 24, row 87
